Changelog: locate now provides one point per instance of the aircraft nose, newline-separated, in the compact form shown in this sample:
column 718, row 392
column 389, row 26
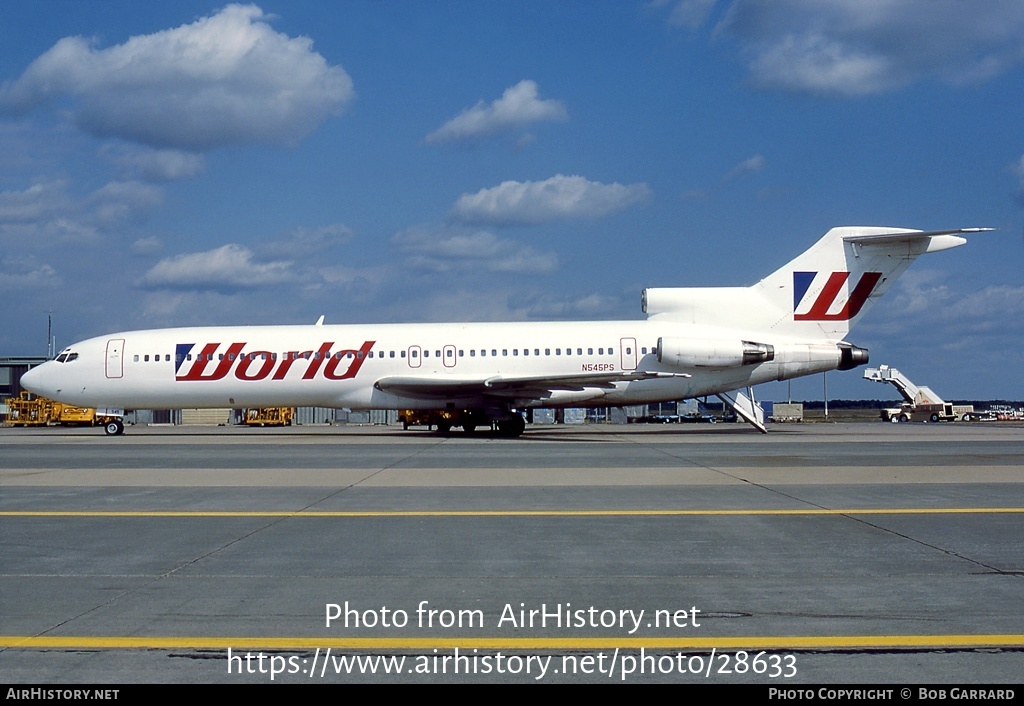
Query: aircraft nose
column 38, row 380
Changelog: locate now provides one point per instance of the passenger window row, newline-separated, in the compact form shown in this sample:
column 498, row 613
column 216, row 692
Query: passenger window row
column 413, row 352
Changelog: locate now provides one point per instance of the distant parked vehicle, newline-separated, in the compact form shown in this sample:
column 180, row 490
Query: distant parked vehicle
column 921, row 405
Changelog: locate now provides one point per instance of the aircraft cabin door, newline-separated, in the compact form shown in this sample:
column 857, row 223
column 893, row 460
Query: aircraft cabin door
column 414, row 356
column 627, row 352
column 115, row 358
column 448, row 356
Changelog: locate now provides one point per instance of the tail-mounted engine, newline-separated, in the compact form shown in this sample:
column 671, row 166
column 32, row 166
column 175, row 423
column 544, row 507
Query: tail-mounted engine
column 712, row 352
column 851, row 356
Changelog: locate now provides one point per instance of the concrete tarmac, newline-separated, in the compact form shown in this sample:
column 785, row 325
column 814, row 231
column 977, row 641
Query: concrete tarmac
column 819, row 553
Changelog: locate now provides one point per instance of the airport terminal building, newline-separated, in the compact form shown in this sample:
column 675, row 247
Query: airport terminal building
column 11, row 370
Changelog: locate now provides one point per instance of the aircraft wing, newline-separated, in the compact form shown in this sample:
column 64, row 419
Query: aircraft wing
column 518, row 386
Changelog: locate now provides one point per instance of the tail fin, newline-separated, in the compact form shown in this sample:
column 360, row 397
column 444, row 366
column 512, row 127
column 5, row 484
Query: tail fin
column 826, row 290
column 820, row 294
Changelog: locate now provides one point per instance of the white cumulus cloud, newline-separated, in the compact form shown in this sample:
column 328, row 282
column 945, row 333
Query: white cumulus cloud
column 691, row 13
column 923, row 300
column 558, row 198
column 816, row 63
column 518, row 106
column 155, row 165
column 748, row 166
column 228, row 268
column 307, row 242
column 21, row 274
column 124, row 201
column 849, row 48
column 447, row 251
column 224, row 79
column 39, row 201
column 46, row 212
column 150, row 245
column 551, row 306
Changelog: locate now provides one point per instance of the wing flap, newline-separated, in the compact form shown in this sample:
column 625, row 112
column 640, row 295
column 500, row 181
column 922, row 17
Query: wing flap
column 519, row 386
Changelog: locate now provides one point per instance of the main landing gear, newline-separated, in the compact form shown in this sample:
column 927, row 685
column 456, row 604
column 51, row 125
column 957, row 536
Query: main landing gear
column 114, row 427
column 511, row 426
column 502, row 422
column 506, row 424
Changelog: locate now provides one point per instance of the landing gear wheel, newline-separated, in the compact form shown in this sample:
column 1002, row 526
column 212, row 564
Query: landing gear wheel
column 114, row 427
column 512, row 427
column 444, row 426
column 469, row 428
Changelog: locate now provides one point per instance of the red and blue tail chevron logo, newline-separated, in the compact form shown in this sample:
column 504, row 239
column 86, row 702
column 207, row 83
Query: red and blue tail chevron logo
column 820, row 308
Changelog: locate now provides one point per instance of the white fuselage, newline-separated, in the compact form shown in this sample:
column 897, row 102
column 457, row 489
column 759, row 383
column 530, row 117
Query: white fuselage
column 340, row 366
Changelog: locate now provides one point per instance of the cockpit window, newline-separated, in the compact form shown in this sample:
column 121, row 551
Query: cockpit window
column 67, row 357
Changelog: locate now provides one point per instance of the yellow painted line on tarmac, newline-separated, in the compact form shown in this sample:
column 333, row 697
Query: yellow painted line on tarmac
column 507, row 513
column 781, row 642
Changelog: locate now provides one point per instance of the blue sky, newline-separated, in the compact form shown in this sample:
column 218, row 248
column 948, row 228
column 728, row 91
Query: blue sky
column 193, row 163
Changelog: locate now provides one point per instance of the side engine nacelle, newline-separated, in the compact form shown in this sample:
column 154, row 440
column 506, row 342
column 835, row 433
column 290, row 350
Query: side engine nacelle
column 712, row 352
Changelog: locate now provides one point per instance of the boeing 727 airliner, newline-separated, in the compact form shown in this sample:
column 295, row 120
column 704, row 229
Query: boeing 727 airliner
column 694, row 342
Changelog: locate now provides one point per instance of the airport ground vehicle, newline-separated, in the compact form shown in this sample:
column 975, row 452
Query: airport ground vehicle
column 920, row 413
column 269, row 416
column 31, row 410
column 28, row 410
column 921, row 403
column 995, row 413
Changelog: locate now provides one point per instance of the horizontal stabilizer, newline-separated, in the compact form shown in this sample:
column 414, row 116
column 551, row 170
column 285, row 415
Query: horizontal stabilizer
column 906, row 236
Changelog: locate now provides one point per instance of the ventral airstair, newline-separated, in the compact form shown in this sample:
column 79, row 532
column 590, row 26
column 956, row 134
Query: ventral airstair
column 746, row 407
